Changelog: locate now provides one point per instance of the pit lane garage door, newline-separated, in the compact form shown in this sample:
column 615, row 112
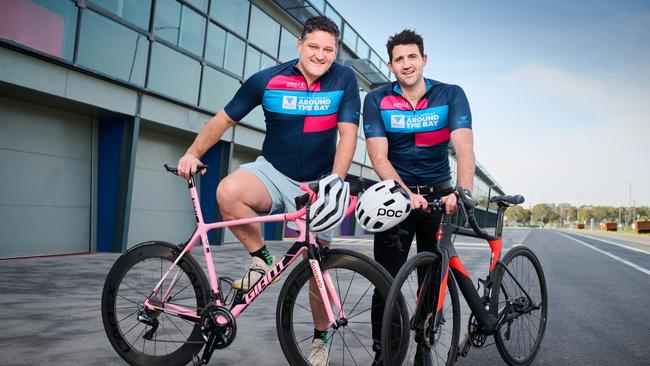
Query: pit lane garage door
column 45, row 180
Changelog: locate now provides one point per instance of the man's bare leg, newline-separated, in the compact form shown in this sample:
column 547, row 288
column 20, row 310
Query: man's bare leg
column 242, row 195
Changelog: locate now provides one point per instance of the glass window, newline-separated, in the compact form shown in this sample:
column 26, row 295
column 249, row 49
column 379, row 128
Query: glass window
column 288, row 44
column 133, row 11
column 318, row 5
column 256, row 61
column 362, row 49
column 374, row 58
column 180, row 25
column 199, row 4
column 217, row 89
column 112, row 48
column 46, row 26
column 174, row 74
column 215, row 47
column 231, row 13
column 264, row 31
column 349, row 37
column 234, row 57
column 252, row 62
column 332, row 14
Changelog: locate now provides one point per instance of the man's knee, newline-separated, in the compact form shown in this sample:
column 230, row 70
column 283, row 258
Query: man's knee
column 227, row 194
column 243, row 188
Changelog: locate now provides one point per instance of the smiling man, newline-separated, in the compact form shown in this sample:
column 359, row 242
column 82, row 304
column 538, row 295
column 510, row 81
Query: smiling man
column 306, row 102
column 408, row 125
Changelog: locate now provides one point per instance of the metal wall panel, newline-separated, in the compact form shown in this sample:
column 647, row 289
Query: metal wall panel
column 161, row 208
column 45, row 200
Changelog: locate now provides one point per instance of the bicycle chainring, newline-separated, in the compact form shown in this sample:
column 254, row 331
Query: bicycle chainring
column 218, row 320
column 476, row 336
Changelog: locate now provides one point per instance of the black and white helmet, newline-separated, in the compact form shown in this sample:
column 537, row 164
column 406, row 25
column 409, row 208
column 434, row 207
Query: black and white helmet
column 382, row 206
column 331, row 204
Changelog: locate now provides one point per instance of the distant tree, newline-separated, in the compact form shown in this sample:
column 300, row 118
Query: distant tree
column 544, row 213
column 518, row 214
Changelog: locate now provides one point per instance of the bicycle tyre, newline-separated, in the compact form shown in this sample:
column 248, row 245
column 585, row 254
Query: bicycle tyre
column 293, row 316
column 504, row 290
column 405, row 286
column 132, row 277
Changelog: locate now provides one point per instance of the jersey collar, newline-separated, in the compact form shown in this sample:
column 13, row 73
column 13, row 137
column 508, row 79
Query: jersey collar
column 397, row 89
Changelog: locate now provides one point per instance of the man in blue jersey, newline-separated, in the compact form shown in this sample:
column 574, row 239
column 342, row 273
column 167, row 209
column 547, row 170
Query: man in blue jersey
column 305, row 102
column 408, row 125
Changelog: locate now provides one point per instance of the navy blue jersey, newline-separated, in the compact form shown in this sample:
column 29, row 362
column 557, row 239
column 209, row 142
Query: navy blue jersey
column 418, row 138
column 301, row 122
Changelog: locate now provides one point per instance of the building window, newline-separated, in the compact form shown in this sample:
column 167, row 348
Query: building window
column 231, row 13
column 180, row 25
column 288, row 44
column 264, row 32
column 217, row 89
column 350, row 37
column 199, row 4
column 112, row 48
column 362, row 49
column 46, row 26
column 225, row 50
column 136, row 12
column 174, row 74
column 256, row 61
column 332, row 14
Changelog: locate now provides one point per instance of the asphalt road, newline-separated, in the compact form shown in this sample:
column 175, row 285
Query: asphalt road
column 598, row 313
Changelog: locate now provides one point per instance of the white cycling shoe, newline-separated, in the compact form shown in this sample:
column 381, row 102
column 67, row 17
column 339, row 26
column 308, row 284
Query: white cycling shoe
column 318, row 353
column 256, row 270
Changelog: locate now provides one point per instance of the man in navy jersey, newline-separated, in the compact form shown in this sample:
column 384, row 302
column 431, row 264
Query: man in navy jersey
column 306, row 102
column 408, row 125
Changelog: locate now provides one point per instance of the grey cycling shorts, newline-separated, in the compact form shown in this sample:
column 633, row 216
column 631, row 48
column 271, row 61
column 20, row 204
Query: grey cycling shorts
column 282, row 189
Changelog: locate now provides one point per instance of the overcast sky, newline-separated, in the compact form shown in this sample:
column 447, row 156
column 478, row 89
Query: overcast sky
column 559, row 90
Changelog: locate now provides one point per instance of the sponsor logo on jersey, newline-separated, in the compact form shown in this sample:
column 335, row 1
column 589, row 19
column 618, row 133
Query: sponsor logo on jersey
column 289, row 102
column 397, row 121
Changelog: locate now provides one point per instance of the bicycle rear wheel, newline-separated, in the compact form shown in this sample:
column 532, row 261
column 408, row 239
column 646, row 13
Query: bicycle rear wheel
column 426, row 339
column 144, row 337
column 355, row 277
column 519, row 294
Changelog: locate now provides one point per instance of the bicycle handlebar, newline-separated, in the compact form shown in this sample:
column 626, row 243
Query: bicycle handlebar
column 466, row 204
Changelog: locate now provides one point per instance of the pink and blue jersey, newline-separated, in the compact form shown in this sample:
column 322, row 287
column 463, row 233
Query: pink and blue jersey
column 418, row 138
column 301, row 121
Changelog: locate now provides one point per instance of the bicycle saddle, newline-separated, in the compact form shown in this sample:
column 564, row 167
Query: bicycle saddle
column 509, row 200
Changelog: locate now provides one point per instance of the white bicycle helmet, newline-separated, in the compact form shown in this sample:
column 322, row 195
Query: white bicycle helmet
column 382, row 206
column 329, row 208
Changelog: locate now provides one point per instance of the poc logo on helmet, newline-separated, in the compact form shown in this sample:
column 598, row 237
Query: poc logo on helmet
column 389, row 213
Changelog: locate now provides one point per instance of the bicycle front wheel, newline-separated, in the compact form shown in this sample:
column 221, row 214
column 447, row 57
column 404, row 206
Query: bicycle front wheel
column 519, row 296
column 145, row 337
column 355, row 278
column 431, row 340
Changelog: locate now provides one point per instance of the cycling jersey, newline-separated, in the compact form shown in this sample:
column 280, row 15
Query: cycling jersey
column 301, row 122
column 418, row 138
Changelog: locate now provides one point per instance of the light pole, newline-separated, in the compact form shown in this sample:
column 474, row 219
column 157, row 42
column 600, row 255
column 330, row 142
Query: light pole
column 578, row 208
column 629, row 197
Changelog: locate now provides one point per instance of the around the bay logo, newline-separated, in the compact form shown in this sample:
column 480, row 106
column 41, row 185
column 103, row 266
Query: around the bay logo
column 397, row 121
column 289, row 102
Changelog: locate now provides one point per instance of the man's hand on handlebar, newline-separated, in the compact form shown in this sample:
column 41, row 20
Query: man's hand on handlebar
column 450, row 202
column 188, row 165
column 418, row 201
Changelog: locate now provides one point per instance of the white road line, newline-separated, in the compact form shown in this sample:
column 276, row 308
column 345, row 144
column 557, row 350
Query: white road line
column 613, row 243
column 637, row 267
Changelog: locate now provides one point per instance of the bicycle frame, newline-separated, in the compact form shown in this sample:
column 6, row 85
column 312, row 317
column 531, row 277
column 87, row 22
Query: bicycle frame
column 306, row 243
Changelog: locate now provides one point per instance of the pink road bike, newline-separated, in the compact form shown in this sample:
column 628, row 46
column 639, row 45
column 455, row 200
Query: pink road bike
column 159, row 308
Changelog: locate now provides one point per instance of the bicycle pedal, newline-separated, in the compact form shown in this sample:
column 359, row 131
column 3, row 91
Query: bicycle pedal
column 466, row 347
column 196, row 360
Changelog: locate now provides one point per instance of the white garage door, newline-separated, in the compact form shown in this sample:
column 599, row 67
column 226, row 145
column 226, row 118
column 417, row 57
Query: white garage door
column 161, row 208
column 45, row 180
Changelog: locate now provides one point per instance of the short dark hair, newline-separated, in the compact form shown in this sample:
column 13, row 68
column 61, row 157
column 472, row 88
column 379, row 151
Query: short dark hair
column 321, row 23
column 404, row 37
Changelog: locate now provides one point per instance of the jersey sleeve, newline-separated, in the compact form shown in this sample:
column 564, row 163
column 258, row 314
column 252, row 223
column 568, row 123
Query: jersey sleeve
column 247, row 97
column 350, row 103
column 460, row 115
column 373, row 125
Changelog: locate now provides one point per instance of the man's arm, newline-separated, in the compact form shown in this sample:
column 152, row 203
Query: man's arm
column 463, row 141
column 209, row 135
column 345, row 148
column 378, row 152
